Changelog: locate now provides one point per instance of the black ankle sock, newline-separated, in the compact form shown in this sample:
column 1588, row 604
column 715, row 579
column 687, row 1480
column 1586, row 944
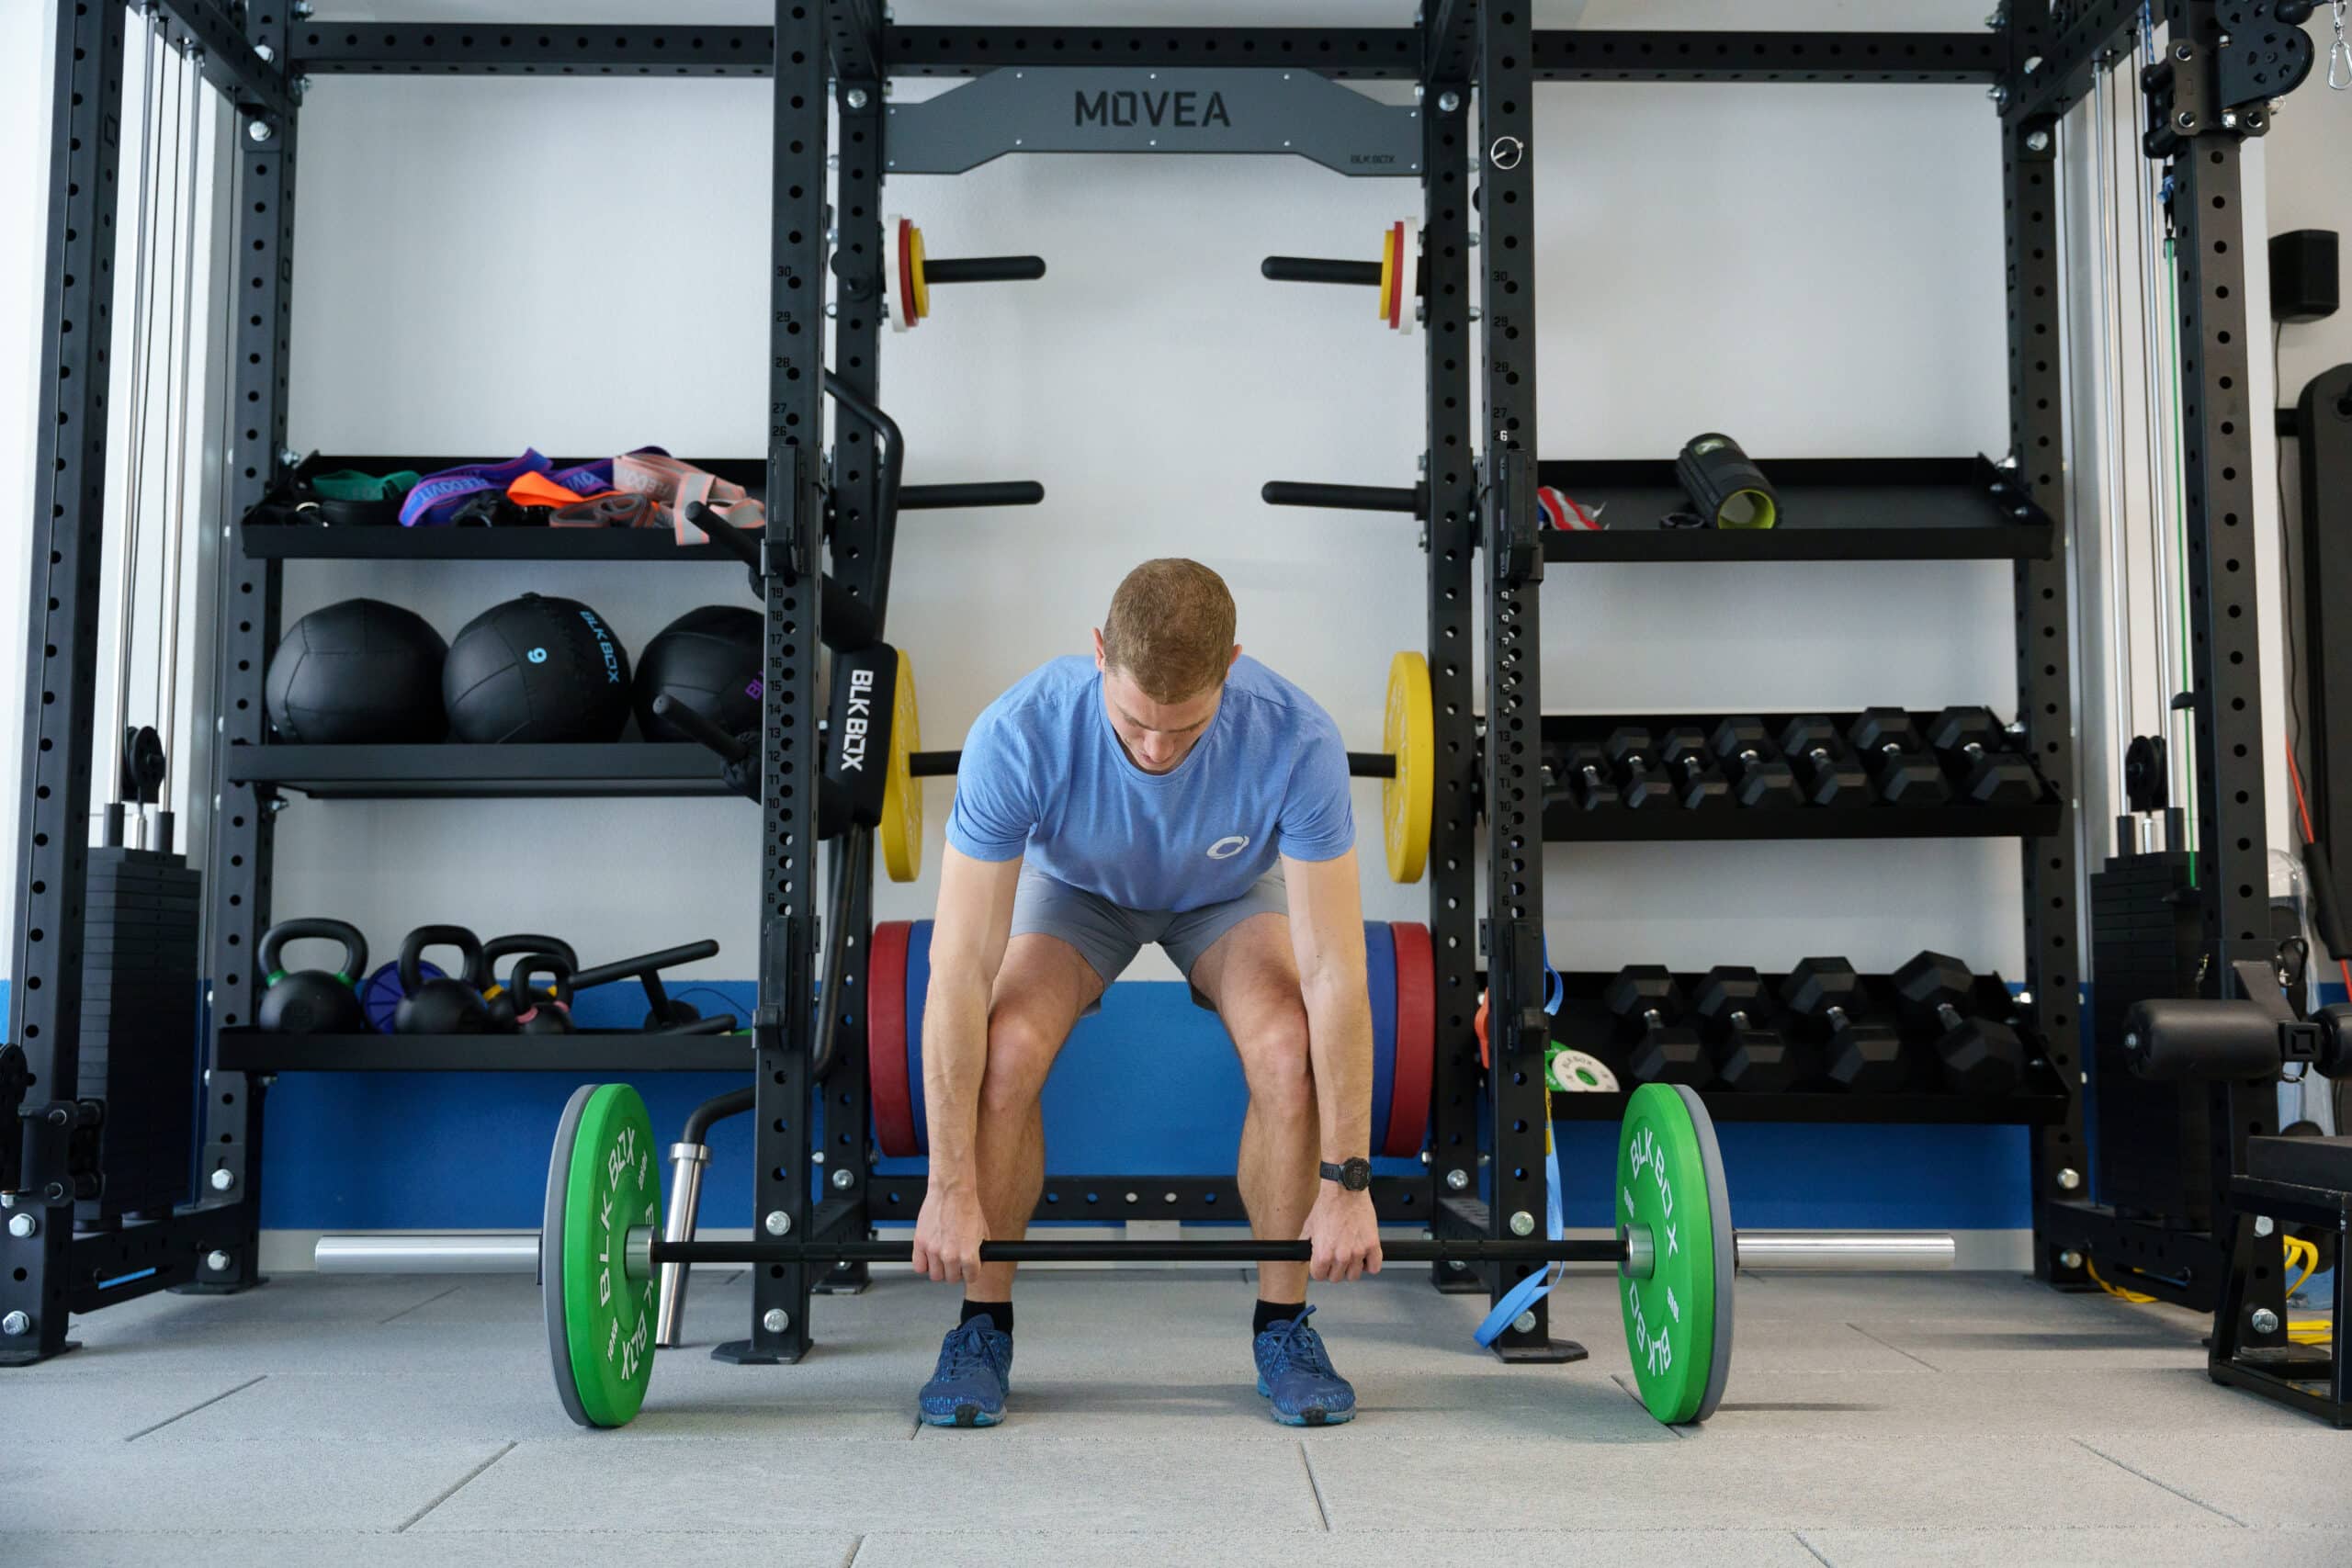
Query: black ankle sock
column 999, row 1312
column 1271, row 1313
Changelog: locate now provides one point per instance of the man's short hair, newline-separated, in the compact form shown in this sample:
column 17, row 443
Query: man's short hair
column 1170, row 630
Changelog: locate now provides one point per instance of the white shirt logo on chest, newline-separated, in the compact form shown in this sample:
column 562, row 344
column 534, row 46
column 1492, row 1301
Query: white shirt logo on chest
column 1230, row 846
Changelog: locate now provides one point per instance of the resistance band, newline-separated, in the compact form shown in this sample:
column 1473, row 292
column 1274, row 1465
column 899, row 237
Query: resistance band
column 1523, row 1296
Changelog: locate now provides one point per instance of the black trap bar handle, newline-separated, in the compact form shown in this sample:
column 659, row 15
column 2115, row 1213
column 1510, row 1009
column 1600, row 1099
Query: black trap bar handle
column 984, row 269
column 1320, row 269
column 698, row 727
column 1346, row 498
column 949, row 497
column 646, row 969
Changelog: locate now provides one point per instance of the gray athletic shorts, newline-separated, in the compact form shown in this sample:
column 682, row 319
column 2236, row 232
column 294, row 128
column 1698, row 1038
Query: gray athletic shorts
column 1109, row 936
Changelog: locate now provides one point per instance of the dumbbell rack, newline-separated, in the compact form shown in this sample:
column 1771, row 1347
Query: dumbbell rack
column 1868, row 509
column 1586, row 1022
column 1867, row 817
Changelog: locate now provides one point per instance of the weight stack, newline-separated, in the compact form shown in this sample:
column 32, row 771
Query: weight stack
column 2154, row 1140
column 142, row 1015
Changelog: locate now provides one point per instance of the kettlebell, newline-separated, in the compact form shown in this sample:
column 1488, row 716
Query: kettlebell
column 443, row 1006
column 504, row 1001
column 550, row 1008
column 312, row 1001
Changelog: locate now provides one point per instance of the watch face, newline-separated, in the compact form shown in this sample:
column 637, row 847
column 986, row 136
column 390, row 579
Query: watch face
column 1356, row 1175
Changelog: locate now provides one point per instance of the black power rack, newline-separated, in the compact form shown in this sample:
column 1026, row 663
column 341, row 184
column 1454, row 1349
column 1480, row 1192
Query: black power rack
column 829, row 63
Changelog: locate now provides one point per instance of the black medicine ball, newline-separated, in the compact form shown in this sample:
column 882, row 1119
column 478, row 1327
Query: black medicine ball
column 711, row 660
column 536, row 669
column 356, row 672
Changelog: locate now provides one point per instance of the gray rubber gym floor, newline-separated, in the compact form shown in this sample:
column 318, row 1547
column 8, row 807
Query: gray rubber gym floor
column 1893, row 1420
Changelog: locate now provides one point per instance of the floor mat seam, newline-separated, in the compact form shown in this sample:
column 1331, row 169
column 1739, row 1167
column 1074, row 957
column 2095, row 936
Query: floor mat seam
column 1314, row 1486
column 2151, row 1481
column 425, row 1303
column 1896, row 1348
column 463, row 1482
column 194, row 1408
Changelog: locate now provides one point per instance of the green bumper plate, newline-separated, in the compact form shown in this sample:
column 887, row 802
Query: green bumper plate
column 601, row 1180
column 1678, row 1321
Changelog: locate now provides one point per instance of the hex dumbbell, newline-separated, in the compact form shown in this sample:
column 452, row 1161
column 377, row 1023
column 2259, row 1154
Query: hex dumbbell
column 1660, row 1049
column 1860, row 1055
column 1980, row 1056
column 1970, row 740
column 1698, row 782
column 1758, row 776
column 1748, row 1055
column 1828, row 772
column 1890, row 743
column 1589, row 778
column 1644, row 782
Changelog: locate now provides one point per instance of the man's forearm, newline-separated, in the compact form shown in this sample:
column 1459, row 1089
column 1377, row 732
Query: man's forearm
column 1338, row 1035
column 955, row 1059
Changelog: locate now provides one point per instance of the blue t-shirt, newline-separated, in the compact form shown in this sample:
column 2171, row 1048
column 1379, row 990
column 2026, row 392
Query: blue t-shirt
column 1044, row 776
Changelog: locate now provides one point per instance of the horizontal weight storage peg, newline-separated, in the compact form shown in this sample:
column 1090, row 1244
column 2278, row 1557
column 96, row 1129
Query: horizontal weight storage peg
column 602, row 1248
column 1399, row 277
column 914, row 273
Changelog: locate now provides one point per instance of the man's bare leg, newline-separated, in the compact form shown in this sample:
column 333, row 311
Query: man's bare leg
column 1253, row 977
column 1041, row 988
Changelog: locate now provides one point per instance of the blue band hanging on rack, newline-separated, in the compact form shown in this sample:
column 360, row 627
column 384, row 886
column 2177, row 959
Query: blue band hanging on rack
column 1522, row 1296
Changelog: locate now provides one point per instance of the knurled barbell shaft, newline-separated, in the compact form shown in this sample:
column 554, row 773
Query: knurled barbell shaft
column 519, row 1254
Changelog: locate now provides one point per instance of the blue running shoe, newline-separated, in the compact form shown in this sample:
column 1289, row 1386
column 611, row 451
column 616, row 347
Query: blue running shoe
column 1294, row 1371
column 975, row 1368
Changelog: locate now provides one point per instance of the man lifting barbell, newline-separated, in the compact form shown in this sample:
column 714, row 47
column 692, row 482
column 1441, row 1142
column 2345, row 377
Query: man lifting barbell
column 1177, row 793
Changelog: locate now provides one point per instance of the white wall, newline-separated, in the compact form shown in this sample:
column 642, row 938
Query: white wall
column 2309, row 186
column 577, row 265
column 25, row 32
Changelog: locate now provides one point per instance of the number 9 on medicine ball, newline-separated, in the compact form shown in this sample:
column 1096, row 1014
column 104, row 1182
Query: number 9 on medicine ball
column 536, row 669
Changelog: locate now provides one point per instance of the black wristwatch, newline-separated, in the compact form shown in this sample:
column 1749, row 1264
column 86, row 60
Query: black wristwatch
column 1355, row 1176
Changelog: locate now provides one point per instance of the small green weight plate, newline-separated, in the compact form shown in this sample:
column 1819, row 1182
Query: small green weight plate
column 1678, row 1321
column 601, row 1182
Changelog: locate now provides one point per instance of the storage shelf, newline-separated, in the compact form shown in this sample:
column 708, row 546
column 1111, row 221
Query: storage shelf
column 294, row 541
column 318, row 541
column 304, row 541
column 462, row 771
column 591, row 1051
column 1830, row 509
column 2029, row 1108
column 1565, row 821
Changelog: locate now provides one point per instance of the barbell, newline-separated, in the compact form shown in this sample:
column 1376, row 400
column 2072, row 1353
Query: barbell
column 1406, row 765
column 601, row 1252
